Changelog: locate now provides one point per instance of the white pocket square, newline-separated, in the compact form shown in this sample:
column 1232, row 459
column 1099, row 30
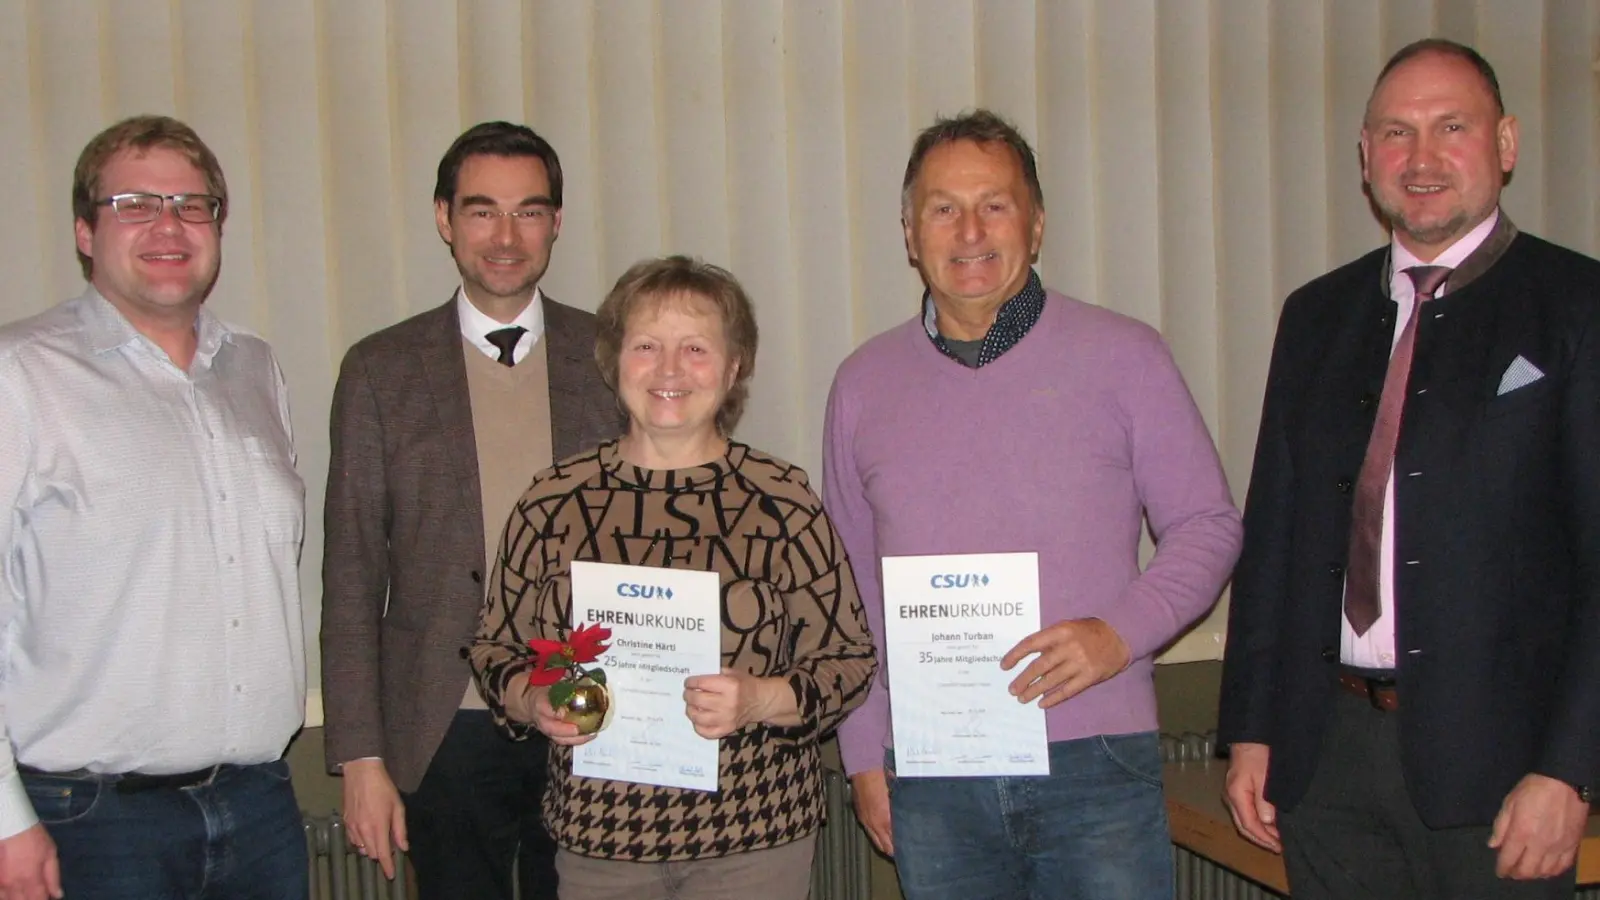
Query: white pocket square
column 1519, row 374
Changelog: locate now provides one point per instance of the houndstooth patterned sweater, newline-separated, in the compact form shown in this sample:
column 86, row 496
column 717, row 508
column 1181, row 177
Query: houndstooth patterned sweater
column 789, row 609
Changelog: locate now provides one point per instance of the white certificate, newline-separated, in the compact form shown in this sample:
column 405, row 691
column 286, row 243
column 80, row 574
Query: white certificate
column 948, row 620
column 666, row 624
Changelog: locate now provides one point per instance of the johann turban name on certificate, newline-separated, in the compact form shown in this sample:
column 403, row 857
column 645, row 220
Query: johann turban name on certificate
column 948, row 621
column 665, row 626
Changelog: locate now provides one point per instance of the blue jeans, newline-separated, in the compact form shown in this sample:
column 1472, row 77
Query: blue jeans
column 1095, row 828
column 237, row 836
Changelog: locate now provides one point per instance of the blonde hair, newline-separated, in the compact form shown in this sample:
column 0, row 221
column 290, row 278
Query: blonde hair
column 657, row 280
column 139, row 134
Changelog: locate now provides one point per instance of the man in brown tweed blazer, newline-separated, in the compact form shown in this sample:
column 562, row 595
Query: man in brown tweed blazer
column 438, row 424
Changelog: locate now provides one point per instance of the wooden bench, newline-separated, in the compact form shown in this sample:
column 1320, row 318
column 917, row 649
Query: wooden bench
column 1201, row 825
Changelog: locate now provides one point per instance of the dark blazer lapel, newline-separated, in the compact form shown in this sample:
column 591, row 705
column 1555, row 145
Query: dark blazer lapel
column 1345, row 357
column 446, row 371
column 1456, row 352
column 570, row 354
column 1482, row 259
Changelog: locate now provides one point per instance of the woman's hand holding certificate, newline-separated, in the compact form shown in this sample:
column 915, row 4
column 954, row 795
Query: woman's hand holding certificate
column 719, row 705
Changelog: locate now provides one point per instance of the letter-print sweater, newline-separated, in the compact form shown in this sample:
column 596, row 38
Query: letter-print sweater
column 789, row 609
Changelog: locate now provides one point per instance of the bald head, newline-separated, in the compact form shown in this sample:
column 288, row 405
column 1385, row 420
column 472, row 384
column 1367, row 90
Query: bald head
column 1436, row 148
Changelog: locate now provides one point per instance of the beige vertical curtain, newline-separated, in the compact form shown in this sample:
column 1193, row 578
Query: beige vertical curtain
column 1198, row 157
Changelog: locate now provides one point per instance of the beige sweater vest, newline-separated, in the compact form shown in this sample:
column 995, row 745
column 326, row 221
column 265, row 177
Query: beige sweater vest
column 511, row 424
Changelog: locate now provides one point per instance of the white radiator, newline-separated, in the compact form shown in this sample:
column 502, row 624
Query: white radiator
column 340, row 873
column 842, row 867
column 840, row 870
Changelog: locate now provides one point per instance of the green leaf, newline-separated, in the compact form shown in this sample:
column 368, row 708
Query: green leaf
column 560, row 693
column 598, row 676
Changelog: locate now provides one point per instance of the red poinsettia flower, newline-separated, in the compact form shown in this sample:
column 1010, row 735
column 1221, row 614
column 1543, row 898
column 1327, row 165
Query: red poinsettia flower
column 554, row 659
column 550, row 662
column 545, row 677
column 547, row 651
column 587, row 644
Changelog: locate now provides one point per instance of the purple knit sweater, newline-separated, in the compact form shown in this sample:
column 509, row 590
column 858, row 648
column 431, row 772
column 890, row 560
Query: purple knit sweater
column 1061, row 446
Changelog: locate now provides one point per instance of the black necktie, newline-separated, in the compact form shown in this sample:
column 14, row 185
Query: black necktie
column 506, row 339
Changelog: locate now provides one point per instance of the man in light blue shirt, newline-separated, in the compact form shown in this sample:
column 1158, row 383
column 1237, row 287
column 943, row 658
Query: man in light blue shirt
column 150, row 621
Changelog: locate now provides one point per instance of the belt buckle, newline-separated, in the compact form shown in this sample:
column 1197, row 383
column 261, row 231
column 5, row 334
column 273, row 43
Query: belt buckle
column 1373, row 687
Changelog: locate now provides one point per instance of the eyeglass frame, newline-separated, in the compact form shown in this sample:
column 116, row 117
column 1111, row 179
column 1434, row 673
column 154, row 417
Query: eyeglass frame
column 172, row 201
column 481, row 215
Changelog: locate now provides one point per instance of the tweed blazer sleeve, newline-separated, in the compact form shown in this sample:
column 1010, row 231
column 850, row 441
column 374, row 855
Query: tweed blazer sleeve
column 355, row 567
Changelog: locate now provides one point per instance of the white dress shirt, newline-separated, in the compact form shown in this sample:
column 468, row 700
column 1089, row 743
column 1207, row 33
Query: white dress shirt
column 150, row 614
column 1375, row 649
column 475, row 326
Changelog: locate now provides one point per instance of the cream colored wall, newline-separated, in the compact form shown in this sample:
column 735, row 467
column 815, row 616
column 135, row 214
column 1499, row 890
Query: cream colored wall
column 1198, row 157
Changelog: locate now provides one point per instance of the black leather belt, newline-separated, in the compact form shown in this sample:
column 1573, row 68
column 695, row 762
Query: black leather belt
column 135, row 782
column 1380, row 692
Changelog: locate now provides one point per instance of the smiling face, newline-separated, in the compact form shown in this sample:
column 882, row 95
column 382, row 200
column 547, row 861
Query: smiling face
column 153, row 272
column 1435, row 150
column 500, row 256
column 674, row 369
column 971, row 225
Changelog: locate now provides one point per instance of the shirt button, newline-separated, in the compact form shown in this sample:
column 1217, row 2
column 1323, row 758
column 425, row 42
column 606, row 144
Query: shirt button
column 1336, row 570
column 223, row 496
column 238, row 689
column 234, row 623
column 1344, row 485
column 228, row 559
column 1368, row 401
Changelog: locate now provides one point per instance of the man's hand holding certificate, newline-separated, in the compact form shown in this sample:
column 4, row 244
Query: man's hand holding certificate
column 1072, row 656
column 948, row 623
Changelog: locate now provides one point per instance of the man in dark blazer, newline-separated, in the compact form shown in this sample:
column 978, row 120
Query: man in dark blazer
column 1411, row 694
column 438, row 424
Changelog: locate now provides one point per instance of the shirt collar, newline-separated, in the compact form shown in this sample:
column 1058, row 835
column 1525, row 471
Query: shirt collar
column 1012, row 322
column 475, row 325
column 106, row 329
column 1452, row 257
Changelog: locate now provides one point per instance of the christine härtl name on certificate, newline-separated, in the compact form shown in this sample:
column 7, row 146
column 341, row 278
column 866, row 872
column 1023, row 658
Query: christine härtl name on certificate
column 948, row 621
column 666, row 625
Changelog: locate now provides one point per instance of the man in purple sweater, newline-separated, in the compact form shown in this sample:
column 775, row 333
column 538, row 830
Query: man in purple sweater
column 1009, row 418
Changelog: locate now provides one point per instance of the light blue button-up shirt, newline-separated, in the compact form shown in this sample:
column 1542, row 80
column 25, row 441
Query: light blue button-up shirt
column 150, row 615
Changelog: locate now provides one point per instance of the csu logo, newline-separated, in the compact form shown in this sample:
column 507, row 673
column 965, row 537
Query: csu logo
column 644, row 591
column 958, row 581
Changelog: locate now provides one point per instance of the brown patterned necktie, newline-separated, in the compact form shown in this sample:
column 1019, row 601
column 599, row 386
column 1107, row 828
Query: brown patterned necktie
column 505, row 340
column 1366, row 514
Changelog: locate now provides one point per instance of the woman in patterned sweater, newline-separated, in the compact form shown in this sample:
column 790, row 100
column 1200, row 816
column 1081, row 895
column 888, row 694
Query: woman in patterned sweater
column 677, row 341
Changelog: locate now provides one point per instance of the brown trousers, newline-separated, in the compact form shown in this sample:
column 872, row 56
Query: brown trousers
column 781, row 873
